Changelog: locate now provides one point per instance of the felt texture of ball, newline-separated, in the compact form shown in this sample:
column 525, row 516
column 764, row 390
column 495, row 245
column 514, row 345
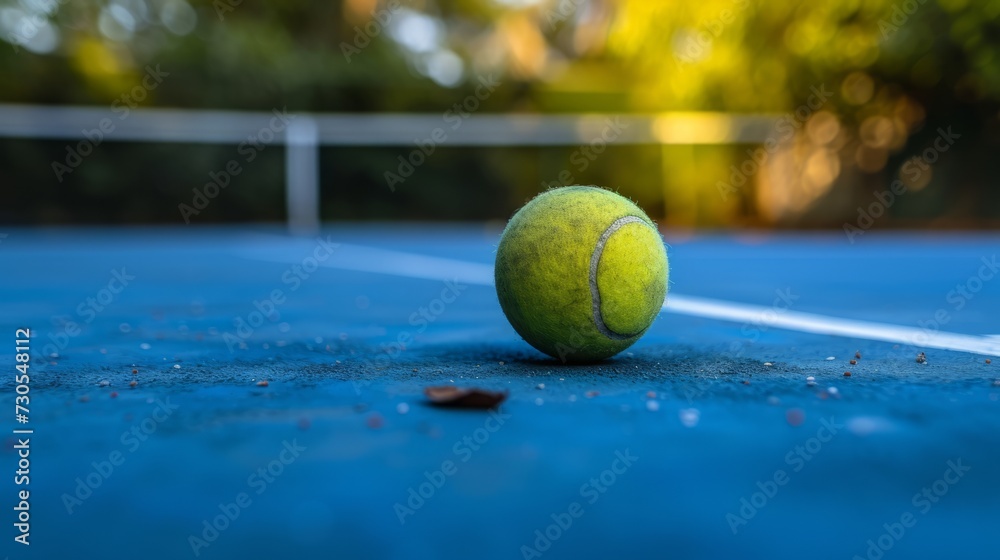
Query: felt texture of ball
column 581, row 273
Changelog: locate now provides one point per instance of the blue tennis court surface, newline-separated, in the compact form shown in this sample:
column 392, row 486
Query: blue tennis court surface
column 710, row 438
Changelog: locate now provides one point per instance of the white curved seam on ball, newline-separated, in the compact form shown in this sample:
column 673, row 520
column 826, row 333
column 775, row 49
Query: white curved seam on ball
column 595, row 260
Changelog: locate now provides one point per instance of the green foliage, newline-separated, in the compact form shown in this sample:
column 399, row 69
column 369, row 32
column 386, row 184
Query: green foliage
column 917, row 64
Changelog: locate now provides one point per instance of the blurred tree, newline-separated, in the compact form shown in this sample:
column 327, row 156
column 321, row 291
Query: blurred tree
column 897, row 72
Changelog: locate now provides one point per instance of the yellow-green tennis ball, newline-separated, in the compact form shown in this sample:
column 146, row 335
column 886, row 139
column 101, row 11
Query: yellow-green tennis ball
column 581, row 273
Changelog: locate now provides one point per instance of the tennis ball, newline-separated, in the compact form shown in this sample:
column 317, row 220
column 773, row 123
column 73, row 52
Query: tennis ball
column 581, row 273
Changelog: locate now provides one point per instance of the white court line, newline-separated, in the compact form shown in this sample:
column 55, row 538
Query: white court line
column 824, row 324
column 411, row 265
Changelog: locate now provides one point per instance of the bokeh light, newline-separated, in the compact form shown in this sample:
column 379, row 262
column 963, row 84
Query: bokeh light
column 887, row 84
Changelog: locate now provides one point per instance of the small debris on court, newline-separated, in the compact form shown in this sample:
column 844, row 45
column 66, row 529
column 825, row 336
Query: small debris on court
column 690, row 417
column 455, row 397
column 374, row 421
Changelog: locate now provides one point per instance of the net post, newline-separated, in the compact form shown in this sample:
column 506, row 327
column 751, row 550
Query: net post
column 302, row 175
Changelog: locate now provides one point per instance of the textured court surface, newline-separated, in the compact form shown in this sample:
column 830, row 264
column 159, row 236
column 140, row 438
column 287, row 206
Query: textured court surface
column 344, row 407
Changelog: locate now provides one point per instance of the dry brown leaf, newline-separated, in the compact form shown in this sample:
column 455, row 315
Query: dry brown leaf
column 455, row 397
